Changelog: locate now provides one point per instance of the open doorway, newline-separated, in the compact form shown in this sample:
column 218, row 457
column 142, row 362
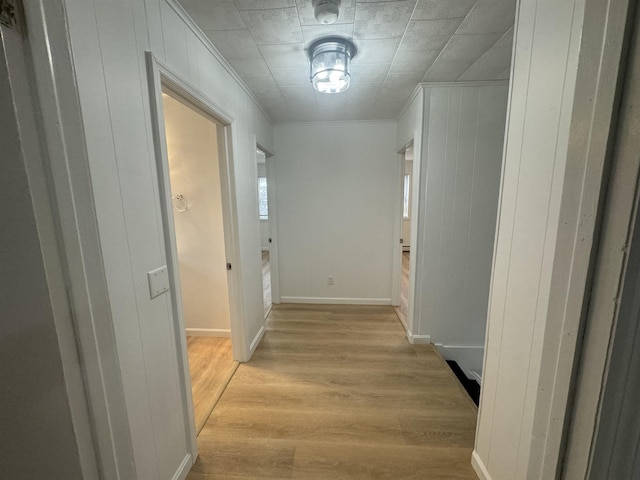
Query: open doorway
column 194, row 144
column 265, row 230
column 406, row 159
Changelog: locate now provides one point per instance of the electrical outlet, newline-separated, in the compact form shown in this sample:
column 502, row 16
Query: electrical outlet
column 330, row 280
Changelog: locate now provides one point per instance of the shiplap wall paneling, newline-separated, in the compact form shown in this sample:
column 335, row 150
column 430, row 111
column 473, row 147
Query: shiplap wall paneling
column 461, row 164
column 562, row 93
column 109, row 41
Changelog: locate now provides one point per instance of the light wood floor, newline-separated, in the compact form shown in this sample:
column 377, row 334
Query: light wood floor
column 403, row 308
column 337, row 392
column 211, row 365
column 266, row 281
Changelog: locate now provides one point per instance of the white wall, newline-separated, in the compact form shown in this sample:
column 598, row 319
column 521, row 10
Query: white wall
column 108, row 42
column 194, row 171
column 461, row 161
column 336, row 200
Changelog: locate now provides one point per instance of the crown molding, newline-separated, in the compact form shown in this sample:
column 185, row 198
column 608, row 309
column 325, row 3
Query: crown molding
column 191, row 24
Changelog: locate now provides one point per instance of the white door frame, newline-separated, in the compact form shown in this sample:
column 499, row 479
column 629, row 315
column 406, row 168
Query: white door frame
column 75, row 221
column 161, row 77
column 399, row 228
column 608, row 329
column 273, row 226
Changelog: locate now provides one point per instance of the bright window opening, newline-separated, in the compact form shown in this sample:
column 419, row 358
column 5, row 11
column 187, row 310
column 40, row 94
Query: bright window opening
column 405, row 196
column 263, row 204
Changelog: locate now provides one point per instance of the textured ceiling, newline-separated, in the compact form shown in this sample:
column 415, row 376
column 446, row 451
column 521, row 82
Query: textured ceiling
column 400, row 43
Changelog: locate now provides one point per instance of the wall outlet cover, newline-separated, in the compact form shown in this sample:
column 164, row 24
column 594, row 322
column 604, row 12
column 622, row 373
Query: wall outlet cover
column 158, row 281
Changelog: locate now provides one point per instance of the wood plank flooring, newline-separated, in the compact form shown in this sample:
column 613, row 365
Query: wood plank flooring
column 337, row 392
column 211, row 365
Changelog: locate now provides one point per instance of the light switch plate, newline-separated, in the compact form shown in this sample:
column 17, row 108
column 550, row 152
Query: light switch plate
column 158, row 281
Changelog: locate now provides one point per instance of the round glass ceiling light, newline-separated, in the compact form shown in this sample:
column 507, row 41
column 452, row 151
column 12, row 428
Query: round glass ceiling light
column 329, row 63
column 326, row 11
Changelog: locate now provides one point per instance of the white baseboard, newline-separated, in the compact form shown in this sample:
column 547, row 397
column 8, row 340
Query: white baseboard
column 208, row 332
column 418, row 339
column 256, row 341
column 421, row 339
column 477, row 375
column 468, row 357
column 337, row 300
column 183, row 469
column 478, row 466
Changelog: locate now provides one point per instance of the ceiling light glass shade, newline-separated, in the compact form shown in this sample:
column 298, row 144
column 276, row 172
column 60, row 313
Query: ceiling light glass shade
column 330, row 62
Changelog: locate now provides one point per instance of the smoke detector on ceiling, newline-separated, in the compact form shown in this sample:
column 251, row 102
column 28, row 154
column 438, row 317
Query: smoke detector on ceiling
column 326, row 11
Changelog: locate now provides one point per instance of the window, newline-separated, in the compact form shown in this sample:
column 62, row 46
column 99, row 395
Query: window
column 263, row 204
column 405, row 196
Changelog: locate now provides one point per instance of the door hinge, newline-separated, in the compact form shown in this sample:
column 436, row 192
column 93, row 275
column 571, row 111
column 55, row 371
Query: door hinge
column 270, row 240
column 401, row 240
column 228, row 266
column 8, row 13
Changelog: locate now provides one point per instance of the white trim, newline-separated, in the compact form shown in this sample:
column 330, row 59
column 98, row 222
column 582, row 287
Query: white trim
column 159, row 77
column 420, row 339
column 272, row 187
column 183, row 469
column 337, row 122
column 337, row 300
column 73, row 209
column 186, row 18
column 415, row 259
column 477, row 376
column 398, row 224
column 169, row 236
column 208, row 332
column 409, row 101
column 422, row 85
column 478, row 83
column 256, row 341
column 478, row 466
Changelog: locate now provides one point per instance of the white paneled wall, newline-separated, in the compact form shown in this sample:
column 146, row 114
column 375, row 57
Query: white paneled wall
column 548, row 205
column 109, row 40
column 461, row 162
column 336, row 197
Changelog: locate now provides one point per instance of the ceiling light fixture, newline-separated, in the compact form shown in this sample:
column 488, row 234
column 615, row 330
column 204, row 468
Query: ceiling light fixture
column 326, row 11
column 329, row 64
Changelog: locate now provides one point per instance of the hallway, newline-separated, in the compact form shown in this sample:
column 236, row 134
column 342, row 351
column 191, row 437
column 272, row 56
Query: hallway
column 338, row 392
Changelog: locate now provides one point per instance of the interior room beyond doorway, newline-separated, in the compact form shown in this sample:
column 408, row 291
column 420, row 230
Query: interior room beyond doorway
column 196, row 195
column 405, row 244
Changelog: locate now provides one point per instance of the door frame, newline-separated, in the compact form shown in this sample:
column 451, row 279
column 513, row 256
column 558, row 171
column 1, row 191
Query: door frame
column 396, row 269
column 82, row 296
column 605, row 362
column 273, row 218
column 160, row 78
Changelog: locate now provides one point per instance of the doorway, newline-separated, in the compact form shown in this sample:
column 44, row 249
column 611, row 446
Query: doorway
column 196, row 198
column 265, row 230
column 406, row 160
